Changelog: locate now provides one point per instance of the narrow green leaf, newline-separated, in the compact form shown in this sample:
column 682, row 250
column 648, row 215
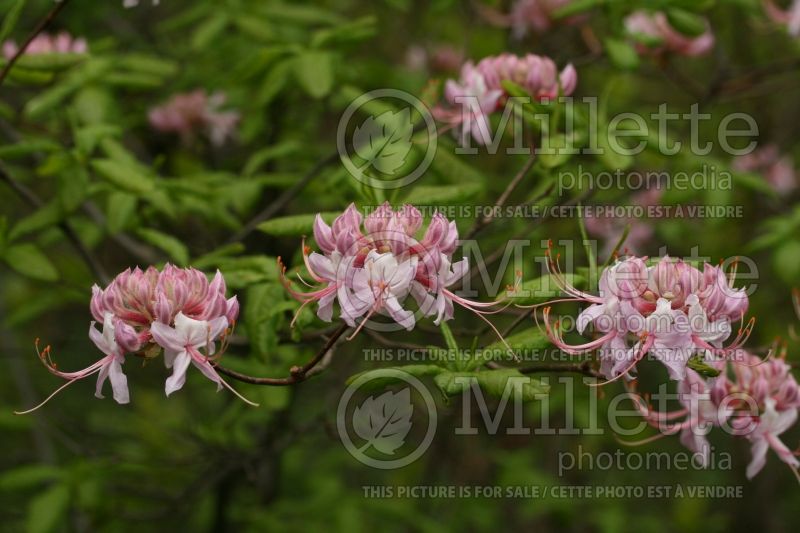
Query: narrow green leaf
column 126, row 177
column 48, row 510
column 11, row 19
column 293, row 225
column 173, row 246
column 314, row 72
column 29, row 261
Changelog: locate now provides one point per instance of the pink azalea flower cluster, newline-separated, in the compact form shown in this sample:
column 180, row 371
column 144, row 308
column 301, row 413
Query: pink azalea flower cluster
column 777, row 169
column 654, row 25
column 62, row 43
column 670, row 310
column 190, row 113
column 752, row 398
column 479, row 91
column 372, row 264
column 143, row 312
column 790, row 16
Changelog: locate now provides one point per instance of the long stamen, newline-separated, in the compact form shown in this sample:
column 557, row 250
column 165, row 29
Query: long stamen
column 645, row 347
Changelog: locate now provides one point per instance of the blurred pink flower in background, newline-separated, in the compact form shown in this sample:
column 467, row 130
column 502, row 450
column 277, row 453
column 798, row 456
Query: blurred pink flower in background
column 440, row 58
column 790, row 16
column 536, row 15
column 479, row 91
column 188, row 114
column 777, row 169
column 610, row 228
column 62, row 43
column 656, row 26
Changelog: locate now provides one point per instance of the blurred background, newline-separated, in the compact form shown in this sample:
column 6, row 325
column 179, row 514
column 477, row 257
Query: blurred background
column 84, row 135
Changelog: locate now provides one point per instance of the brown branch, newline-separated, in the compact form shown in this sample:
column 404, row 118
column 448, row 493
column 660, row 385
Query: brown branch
column 34, row 201
column 584, row 368
column 483, row 222
column 296, row 373
column 51, row 15
column 281, row 202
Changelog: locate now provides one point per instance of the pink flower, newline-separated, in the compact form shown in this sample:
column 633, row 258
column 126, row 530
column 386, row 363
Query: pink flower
column 62, row 43
column 479, row 91
column 374, row 272
column 670, row 310
column 475, row 103
column 188, row 114
column 655, row 26
column 778, row 170
column 759, row 399
column 137, row 298
column 182, row 344
column 145, row 312
column 790, row 17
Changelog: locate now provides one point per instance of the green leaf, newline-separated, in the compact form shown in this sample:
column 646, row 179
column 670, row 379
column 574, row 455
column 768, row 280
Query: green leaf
column 786, row 261
column 350, row 32
column 46, row 216
column 263, row 315
column 699, row 366
column 263, row 156
column 494, row 383
column 243, row 272
column 147, row 64
column 443, row 194
column 48, row 510
column 124, row 176
column 11, row 19
column 575, row 7
column 687, row 23
column 527, row 344
column 28, row 476
column 27, row 147
column 621, row 54
column 54, row 61
column 87, row 138
column 172, row 245
column 541, row 289
column 209, row 30
column 120, row 211
column 449, row 339
column 293, row 225
column 314, row 72
column 29, row 260
column 377, row 379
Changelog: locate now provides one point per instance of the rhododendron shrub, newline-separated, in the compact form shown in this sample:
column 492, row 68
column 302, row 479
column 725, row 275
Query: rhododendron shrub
column 530, row 264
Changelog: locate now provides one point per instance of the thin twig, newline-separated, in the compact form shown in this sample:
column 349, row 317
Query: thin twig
column 296, row 373
column 280, row 202
column 30, row 197
column 39, row 29
column 483, row 222
column 584, row 368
